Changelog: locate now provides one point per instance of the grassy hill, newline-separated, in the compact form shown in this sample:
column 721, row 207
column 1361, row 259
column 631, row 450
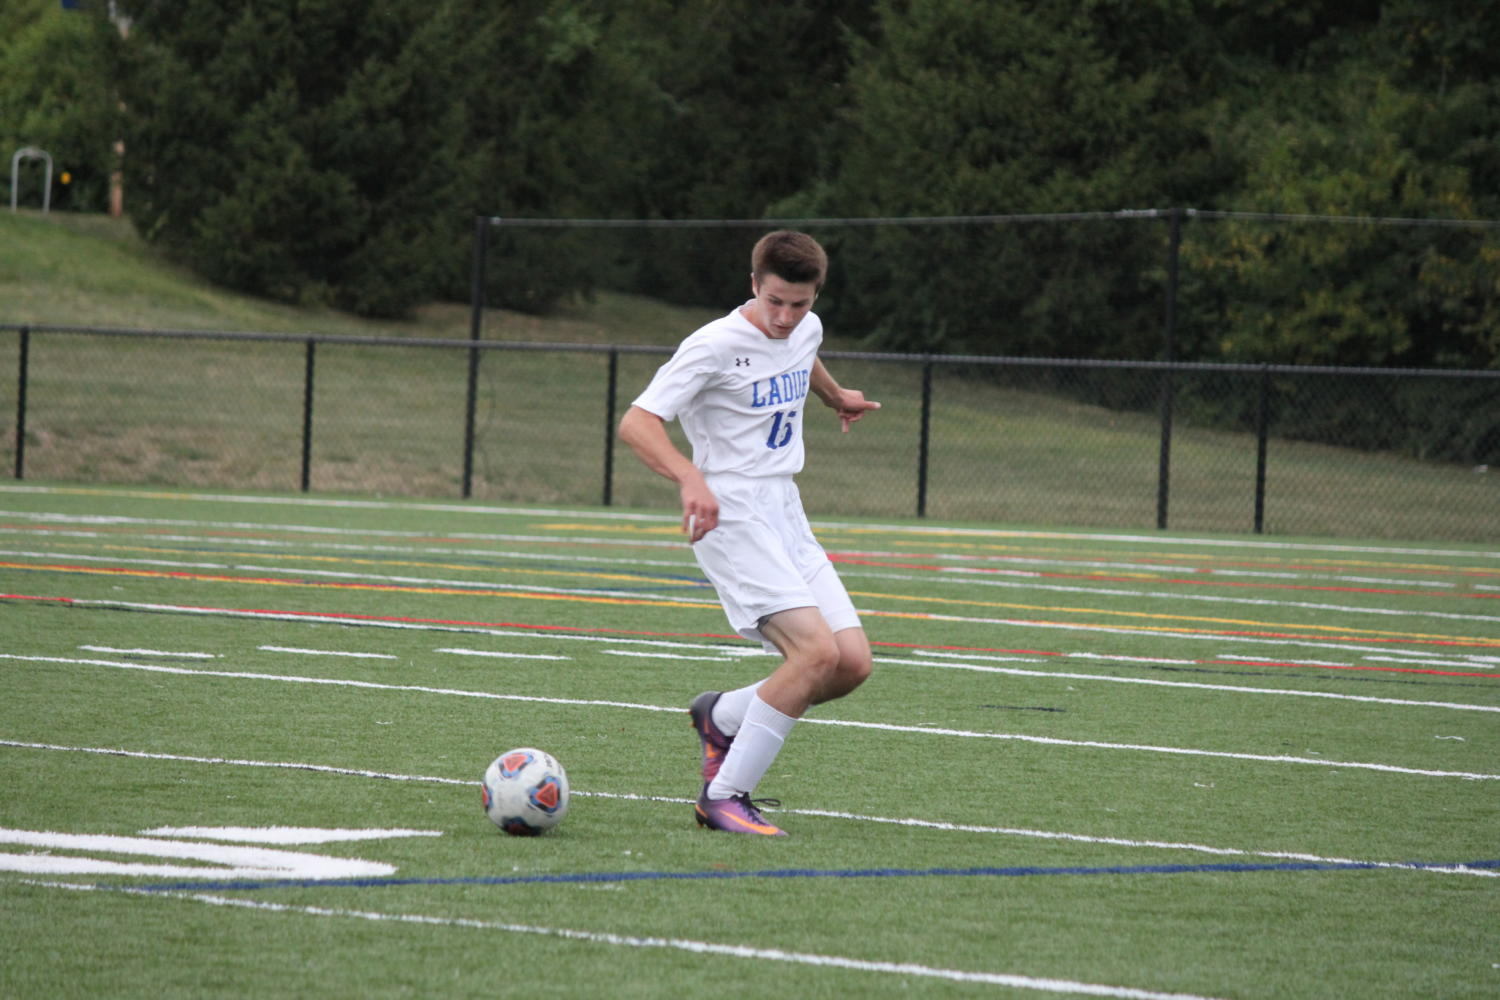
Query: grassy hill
column 67, row 269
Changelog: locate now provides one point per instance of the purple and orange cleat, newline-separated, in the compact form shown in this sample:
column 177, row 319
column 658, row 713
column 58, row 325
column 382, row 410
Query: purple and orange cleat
column 736, row 814
column 715, row 742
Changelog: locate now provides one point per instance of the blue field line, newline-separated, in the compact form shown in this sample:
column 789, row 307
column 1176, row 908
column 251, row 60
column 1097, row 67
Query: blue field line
column 986, row 872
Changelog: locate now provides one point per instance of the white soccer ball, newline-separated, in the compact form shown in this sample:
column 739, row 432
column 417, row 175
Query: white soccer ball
column 525, row 791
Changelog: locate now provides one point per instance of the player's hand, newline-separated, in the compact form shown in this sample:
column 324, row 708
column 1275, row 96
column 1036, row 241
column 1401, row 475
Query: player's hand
column 700, row 510
column 852, row 405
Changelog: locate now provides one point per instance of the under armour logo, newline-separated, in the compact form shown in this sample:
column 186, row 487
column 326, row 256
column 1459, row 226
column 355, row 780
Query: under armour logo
column 742, row 362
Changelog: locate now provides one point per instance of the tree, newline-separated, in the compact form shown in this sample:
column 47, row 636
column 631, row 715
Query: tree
column 307, row 151
column 1385, row 119
column 57, row 94
column 662, row 109
column 998, row 109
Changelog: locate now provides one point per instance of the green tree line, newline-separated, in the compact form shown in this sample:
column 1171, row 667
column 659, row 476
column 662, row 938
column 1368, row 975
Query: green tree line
column 339, row 151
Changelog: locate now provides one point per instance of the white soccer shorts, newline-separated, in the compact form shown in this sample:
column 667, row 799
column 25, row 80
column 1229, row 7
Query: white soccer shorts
column 762, row 558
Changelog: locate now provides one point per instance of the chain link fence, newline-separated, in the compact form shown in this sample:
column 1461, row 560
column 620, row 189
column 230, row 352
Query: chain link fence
column 1023, row 442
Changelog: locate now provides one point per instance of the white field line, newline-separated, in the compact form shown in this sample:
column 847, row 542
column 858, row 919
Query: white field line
column 655, row 655
column 275, row 543
column 1175, row 632
column 416, row 626
column 743, row 650
column 146, row 652
column 927, row 824
column 668, row 519
column 321, row 652
column 502, row 654
column 341, row 682
column 322, row 618
column 1030, row 567
column 387, row 578
column 1011, row 564
column 283, row 834
column 1153, row 631
column 1008, row 565
column 108, row 520
column 1160, row 632
column 300, row 548
column 691, row 567
column 846, row 570
column 227, row 861
column 1153, row 682
column 874, row 726
column 705, row 948
column 1478, row 662
column 334, row 504
column 1167, row 596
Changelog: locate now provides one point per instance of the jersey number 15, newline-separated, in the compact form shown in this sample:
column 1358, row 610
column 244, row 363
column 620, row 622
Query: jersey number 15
column 781, row 429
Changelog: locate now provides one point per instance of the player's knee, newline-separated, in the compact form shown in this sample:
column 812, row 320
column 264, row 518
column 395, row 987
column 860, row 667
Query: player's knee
column 855, row 659
column 818, row 660
column 854, row 671
column 825, row 661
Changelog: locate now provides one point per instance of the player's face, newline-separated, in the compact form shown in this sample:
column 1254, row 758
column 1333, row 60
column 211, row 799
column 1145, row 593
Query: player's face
column 780, row 304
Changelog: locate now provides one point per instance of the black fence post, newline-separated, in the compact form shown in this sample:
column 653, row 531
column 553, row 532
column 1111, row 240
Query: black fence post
column 307, row 414
column 1262, row 432
column 609, row 425
column 1168, row 389
column 476, row 331
column 924, row 444
column 21, row 380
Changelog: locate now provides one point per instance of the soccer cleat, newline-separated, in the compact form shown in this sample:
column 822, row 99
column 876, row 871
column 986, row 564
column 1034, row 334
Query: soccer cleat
column 736, row 814
column 715, row 742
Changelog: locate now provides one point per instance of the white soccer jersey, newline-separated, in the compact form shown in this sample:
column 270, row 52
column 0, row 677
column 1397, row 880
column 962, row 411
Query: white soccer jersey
column 739, row 395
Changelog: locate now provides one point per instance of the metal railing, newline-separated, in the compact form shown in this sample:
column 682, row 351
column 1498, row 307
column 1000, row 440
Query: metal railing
column 1241, row 448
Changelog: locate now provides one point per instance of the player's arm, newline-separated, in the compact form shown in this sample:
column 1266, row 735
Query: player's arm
column 849, row 404
column 646, row 433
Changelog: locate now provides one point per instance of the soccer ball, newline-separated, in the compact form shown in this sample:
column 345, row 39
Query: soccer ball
column 525, row 792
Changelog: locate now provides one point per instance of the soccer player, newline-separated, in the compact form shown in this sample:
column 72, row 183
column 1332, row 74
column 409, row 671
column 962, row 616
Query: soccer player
column 739, row 387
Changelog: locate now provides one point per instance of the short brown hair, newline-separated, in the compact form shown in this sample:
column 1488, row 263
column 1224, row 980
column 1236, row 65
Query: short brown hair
column 791, row 256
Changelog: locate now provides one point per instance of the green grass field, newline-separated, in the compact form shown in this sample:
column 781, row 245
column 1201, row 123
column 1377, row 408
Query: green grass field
column 1087, row 764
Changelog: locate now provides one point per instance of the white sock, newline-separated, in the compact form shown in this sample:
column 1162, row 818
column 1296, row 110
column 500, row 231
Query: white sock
column 755, row 747
column 729, row 710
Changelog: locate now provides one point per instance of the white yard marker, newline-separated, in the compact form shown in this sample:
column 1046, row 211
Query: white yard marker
column 146, row 652
column 502, row 654
column 653, row 655
column 328, row 652
column 224, row 860
column 282, row 834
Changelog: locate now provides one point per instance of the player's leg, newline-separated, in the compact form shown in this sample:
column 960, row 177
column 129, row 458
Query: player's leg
column 809, row 660
column 824, row 652
column 718, row 716
column 812, row 670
